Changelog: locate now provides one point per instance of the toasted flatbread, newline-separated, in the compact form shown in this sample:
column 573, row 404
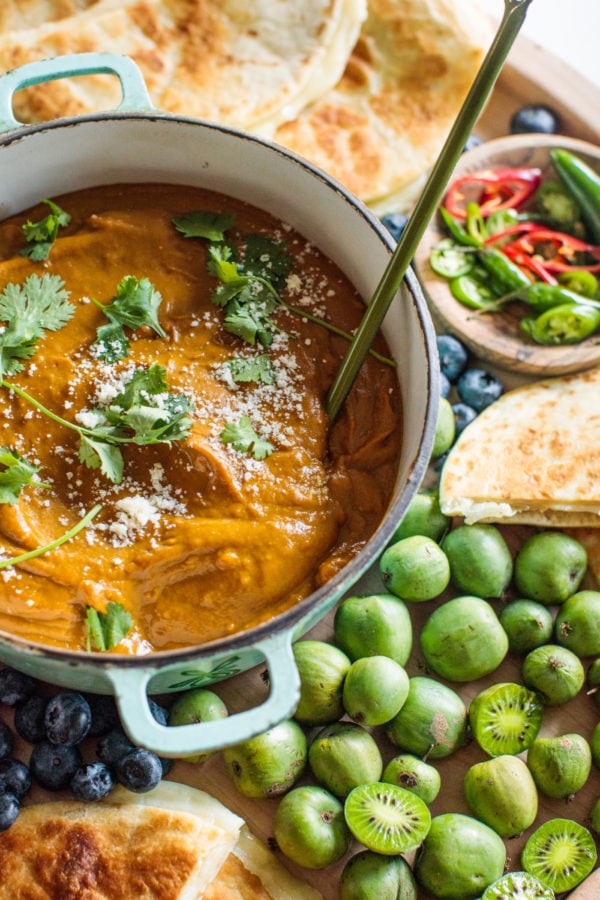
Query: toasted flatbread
column 17, row 14
column 531, row 457
column 381, row 127
column 234, row 62
column 169, row 844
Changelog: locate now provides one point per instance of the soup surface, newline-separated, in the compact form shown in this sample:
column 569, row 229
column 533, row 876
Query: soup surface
column 248, row 500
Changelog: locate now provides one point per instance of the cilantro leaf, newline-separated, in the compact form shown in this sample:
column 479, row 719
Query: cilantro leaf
column 220, row 265
column 107, row 629
column 267, row 259
column 243, row 438
column 102, row 455
column 16, row 474
column 136, row 304
column 247, row 300
column 41, row 235
column 253, row 368
column 202, row 224
column 30, row 309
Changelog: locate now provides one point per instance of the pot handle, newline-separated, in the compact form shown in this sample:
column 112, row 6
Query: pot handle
column 130, row 689
column 133, row 86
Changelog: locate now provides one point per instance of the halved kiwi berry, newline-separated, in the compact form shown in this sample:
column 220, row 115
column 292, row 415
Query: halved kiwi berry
column 518, row 886
column 386, row 818
column 505, row 718
column 561, row 853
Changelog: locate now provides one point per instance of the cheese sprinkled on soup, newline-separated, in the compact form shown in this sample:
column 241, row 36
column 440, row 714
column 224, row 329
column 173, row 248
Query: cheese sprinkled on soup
column 247, row 500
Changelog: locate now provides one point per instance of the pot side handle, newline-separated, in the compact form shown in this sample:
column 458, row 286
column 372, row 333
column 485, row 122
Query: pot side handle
column 135, row 93
column 130, row 690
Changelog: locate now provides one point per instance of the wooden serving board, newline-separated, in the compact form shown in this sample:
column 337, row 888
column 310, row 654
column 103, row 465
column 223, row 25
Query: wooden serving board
column 530, row 76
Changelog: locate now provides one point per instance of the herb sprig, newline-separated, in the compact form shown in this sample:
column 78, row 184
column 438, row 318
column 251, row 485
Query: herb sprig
column 243, row 438
column 145, row 412
column 67, row 536
column 15, row 474
column 136, row 304
column 104, row 630
column 30, row 309
column 42, row 234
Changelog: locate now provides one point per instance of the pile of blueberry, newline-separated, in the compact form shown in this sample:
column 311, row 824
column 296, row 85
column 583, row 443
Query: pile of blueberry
column 55, row 726
column 475, row 388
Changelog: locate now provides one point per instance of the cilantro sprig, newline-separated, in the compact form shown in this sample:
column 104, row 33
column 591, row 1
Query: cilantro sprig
column 67, row 536
column 135, row 304
column 243, row 438
column 42, row 234
column 30, row 309
column 204, row 224
column 15, row 474
column 252, row 368
column 145, row 412
column 104, row 630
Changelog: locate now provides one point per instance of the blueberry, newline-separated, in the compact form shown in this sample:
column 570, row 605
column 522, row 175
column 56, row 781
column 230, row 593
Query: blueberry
column 395, row 223
column 112, row 746
column 92, row 781
column 68, row 718
column 30, row 722
column 453, row 356
column 105, row 714
column 139, row 770
column 15, row 777
column 7, row 740
column 445, row 386
column 463, row 414
column 9, row 810
column 53, row 765
column 478, row 388
column 15, row 686
column 159, row 712
column 534, row 118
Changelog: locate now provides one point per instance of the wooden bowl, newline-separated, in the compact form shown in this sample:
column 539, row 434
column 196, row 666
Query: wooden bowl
column 495, row 337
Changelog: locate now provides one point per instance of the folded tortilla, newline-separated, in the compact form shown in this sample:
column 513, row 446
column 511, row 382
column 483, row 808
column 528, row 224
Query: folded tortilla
column 165, row 845
column 225, row 60
column 381, row 127
column 532, row 457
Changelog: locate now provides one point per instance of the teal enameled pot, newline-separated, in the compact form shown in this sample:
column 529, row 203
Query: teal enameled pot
column 137, row 143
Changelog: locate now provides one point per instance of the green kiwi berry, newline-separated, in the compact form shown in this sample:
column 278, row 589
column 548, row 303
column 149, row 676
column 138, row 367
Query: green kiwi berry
column 432, row 721
column 415, row 569
column 527, row 623
column 413, row 774
column 550, row 566
column 424, row 517
column 343, row 755
column 375, row 688
column 577, row 625
column 595, row 745
column 197, row 705
column 505, row 718
column 595, row 816
column 386, row 818
column 374, row 625
column 322, row 669
column 554, row 672
column 480, row 561
column 561, row 853
column 445, row 429
column 460, row 857
column 463, row 640
column 502, row 793
column 309, row 827
column 367, row 875
column 560, row 765
column 518, row 886
column 270, row 763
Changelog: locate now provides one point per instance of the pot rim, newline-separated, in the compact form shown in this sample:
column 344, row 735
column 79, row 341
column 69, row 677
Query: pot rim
column 343, row 580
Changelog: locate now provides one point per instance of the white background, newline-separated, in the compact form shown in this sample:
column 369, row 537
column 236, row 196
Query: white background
column 569, row 28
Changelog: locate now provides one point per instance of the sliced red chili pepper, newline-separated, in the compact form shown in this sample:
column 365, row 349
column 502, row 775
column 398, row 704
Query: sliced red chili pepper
column 493, row 189
column 517, row 228
column 529, row 262
column 564, row 247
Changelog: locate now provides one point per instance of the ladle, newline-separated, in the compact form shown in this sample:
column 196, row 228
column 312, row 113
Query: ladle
column 508, row 29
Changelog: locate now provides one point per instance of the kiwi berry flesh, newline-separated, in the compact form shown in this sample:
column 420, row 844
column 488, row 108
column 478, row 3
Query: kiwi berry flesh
column 386, row 818
column 561, row 853
column 505, row 718
column 518, row 886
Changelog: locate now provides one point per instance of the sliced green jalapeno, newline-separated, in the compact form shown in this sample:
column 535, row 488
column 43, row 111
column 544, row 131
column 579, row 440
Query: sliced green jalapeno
column 449, row 260
column 580, row 282
column 471, row 292
column 566, row 324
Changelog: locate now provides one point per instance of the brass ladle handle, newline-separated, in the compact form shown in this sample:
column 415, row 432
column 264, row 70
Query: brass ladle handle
column 508, row 29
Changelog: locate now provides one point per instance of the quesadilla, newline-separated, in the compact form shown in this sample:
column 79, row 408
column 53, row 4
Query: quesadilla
column 167, row 845
column 225, row 60
column 381, row 127
column 531, row 457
